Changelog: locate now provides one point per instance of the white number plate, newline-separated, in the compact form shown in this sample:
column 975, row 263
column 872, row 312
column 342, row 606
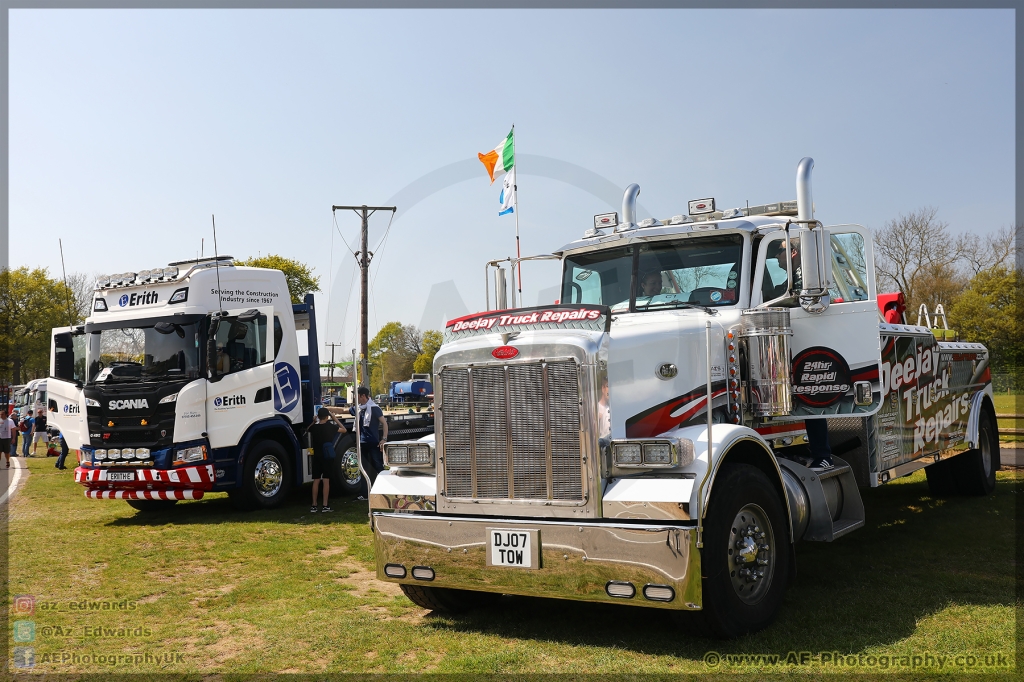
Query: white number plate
column 513, row 548
column 120, row 475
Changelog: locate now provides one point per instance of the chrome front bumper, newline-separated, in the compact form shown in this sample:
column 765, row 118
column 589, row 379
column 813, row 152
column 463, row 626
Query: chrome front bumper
column 577, row 561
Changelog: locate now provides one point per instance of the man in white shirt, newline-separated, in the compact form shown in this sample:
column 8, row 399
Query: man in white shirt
column 6, row 433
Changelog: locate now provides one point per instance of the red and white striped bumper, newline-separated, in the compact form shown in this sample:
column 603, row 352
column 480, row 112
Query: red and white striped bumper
column 183, row 483
column 145, row 494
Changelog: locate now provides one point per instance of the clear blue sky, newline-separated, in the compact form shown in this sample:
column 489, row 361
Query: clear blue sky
column 129, row 128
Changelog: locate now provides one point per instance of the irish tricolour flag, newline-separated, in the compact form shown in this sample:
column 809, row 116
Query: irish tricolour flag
column 501, row 159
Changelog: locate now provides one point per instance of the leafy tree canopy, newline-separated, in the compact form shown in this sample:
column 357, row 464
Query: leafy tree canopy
column 300, row 277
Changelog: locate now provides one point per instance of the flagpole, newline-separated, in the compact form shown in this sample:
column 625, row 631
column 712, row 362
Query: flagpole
column 515, row 188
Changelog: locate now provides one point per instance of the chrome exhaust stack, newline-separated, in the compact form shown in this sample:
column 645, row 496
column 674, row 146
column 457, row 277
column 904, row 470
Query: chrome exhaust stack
column 629, row 208
column 815, row 245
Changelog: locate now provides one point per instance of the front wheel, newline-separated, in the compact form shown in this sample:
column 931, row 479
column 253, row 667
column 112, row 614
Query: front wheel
column 266, row 480
column 745, row 557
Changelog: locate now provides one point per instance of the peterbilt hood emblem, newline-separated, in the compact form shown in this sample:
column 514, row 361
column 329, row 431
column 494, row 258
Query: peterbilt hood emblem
column 505, row 352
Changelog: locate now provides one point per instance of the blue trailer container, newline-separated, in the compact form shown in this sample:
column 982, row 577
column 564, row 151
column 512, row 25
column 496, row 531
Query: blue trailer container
column 410, row 391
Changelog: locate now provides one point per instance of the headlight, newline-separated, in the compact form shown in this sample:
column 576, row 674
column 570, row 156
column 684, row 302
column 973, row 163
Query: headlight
column 89, row 402
column 419, row 454
column 627, row 454
column 127, row 453
column 196, row 454
column 397, row 455
column 658, row 454
column 168, row 399
column 99, row 455
column 142, row 453
column 409, row 454
column 114, row 454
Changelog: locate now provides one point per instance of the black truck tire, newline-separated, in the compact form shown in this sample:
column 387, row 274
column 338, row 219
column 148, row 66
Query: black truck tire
column 266, row 481
column 745, row 518
column 975, row 470
column 447, row 600
column 151, row 506
column 346, row 478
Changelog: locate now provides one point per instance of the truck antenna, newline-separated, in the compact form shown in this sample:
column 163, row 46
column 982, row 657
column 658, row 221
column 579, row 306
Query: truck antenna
column 67, row 289
column 216, row 262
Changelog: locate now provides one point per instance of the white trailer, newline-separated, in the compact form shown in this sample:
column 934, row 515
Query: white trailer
column 576, row 455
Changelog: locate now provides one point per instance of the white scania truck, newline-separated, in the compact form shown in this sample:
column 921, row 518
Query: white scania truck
column 190, row 379
column 575, row 453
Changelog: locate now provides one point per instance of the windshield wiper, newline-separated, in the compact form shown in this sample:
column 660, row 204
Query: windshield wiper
column 683, row 304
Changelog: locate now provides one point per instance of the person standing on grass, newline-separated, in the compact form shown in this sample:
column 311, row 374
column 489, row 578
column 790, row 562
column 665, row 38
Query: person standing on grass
column 7, row 430
column 373, row 432
column 322, row 433
column 26, row 431
column 63, row 453
column 39, row 432
column 13, row 450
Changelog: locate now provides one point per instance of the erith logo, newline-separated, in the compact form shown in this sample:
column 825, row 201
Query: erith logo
column 137, row 404
column 229, row 401
column 141, row 298
column 70, row 408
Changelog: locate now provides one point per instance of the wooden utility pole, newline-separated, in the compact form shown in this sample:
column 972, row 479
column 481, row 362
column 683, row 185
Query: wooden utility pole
column 363, row 258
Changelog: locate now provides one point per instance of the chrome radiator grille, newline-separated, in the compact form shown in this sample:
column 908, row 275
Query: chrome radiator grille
column 512, row 431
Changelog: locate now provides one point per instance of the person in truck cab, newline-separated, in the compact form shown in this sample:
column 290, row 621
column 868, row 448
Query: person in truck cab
column 650, row 283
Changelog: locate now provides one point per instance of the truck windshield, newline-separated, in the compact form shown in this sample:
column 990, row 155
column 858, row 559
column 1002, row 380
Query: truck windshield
column 156, row 351
column 701, row 271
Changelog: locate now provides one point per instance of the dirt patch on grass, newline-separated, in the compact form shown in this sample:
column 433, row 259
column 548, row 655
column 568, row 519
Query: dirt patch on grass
column 333, row 551
column 362, row 581
column 149, row 599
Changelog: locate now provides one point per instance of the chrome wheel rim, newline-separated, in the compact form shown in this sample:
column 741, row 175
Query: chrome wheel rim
column 751, row 554
column 350, row 467
column 268, row 476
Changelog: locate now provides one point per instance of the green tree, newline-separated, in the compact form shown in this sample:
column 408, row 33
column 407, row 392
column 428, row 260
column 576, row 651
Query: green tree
column 431, row 344
column 987, row 312
column 300, row 277
column 31, row 304
column 397, row 351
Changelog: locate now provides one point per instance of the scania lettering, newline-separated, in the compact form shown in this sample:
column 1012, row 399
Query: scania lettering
column 643, row 440
column 195, row 391
column 128, row 404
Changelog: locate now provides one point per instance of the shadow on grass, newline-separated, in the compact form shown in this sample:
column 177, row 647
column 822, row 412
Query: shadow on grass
column 915, row 556
column 218, row 509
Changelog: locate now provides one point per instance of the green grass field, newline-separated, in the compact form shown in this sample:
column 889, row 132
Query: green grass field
column 213, row 590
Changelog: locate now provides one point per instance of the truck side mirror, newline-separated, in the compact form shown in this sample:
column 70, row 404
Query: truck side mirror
column 211, row 347
column 815, row 267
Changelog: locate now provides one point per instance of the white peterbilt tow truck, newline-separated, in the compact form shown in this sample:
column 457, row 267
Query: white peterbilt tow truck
column 575, row 455
column 193, row 378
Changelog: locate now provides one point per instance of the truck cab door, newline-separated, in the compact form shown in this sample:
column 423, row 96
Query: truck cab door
column 835, row 350
column 240, row 369
column 65, row 401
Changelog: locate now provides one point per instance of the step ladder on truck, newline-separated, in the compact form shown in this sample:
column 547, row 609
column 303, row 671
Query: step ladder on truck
column 198, row 377
column 575, row 454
